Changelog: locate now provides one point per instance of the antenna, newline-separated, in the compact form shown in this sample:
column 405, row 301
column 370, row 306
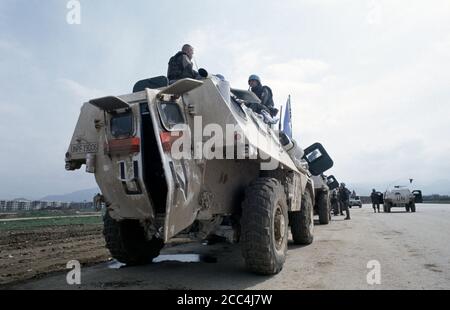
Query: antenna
column 195, row 63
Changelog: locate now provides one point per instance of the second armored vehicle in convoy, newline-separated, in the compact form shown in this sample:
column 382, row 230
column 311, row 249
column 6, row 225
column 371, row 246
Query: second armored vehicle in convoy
column 191, row 159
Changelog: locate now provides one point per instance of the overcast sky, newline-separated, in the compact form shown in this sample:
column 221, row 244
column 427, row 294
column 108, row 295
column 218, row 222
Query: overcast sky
column 368, row 79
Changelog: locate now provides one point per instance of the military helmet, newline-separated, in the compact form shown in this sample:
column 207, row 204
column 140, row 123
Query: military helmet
column 254, row 77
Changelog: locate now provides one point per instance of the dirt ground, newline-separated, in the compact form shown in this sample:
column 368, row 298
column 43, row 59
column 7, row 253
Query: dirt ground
column 27, row 254
column 412, row 250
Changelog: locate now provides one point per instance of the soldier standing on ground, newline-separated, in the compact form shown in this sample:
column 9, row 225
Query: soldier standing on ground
column 181, row 65
column 335, row 203
column 344, row 196
column 98, row 199
column 375, row 201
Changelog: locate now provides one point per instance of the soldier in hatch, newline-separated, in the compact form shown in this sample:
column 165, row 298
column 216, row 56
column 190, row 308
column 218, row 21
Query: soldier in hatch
column 181, row 65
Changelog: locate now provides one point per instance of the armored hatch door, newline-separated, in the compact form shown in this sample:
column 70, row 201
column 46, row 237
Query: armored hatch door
column 318, row 159
column 245, row 95
column 181, row 87
column 380, row 197
column 109, row 104
column 332, row 183
column 417, row 196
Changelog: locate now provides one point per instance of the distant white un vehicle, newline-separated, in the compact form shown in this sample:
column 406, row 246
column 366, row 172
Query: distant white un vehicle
column 401, row 197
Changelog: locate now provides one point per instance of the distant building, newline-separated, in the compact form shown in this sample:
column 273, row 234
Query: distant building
column 18, row 205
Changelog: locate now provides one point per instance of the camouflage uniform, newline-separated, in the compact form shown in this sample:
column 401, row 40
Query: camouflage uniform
column 335, row 203
column 264, row 93
column 98, row 199
column 375, row 201
column 344, row 196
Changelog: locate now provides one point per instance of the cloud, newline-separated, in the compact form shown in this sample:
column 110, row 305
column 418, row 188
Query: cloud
column 8, row 48
column 297, row 69
column 377, row 126
column 80, row 92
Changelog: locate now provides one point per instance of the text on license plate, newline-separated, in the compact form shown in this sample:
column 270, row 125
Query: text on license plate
column 84, row 148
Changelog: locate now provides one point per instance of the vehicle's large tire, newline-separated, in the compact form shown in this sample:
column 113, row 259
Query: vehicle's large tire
column 127, row 243
column 323, row 206
column 302, row 222
column 413, row 207
column 264, row 226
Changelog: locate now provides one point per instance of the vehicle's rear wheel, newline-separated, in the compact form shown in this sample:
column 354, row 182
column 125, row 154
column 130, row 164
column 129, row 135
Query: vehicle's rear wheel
column 264, row 225
column 302, row 222
column 323, row 208
column 388, row 208
column 127, row 243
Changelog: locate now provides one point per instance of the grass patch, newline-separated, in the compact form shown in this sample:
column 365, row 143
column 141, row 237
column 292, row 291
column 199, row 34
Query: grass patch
column 31, row 224
column 43, row 213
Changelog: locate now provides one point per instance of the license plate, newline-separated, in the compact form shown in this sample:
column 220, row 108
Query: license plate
column 84, row 148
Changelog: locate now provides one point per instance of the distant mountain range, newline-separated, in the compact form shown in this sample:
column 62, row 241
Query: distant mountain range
column 78, row 196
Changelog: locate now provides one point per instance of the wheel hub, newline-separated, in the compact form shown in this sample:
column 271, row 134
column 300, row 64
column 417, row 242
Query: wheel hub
column 279, row 227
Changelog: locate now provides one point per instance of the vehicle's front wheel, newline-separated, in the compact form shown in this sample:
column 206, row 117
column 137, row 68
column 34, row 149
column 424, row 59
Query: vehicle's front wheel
column 264, row 224
column 302, row 222
column 127, row 243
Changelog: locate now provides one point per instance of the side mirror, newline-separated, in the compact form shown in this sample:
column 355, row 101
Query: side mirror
column 332, row 183
column 318, row 159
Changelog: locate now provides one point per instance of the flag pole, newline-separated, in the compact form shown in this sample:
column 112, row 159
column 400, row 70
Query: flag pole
column 281, row 117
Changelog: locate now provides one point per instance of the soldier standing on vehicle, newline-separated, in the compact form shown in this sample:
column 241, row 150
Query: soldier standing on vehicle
column 375, row 201
column 344, row 196
column 181, row 65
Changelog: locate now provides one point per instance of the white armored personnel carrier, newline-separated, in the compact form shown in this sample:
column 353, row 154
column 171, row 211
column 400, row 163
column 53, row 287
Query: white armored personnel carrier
column 191, row 159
